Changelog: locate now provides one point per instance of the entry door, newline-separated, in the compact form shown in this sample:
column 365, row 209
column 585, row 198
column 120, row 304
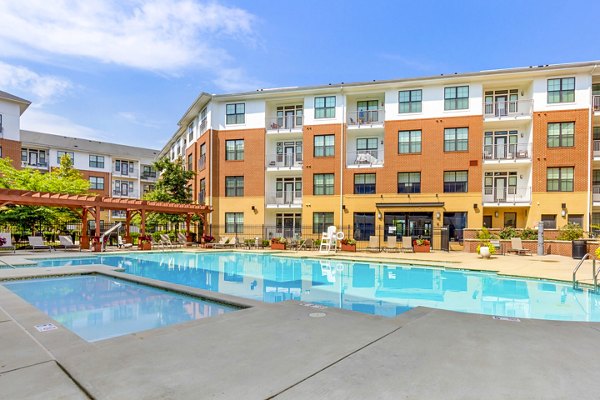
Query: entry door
column 288, row 226
column 124, row 188
column 125, row 168
column 288, row 192
column 33, row 158
column 289, row 119
column 500, row 189
column 501, row 106
column 289, row 155
column 500, row 147
column 487, row 221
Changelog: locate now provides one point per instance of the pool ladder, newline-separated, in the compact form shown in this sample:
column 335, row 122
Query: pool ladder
column 594, row 272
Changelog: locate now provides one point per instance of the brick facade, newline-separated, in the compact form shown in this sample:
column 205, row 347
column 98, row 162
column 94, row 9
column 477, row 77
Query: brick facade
column 11, row 149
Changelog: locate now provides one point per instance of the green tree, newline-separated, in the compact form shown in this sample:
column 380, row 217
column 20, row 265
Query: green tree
column 172, row 186
column 64, row 179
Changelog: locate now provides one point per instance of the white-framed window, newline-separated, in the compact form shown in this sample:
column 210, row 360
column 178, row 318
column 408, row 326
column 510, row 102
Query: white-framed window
column 235, row 113
column 96, row 183
column 325, row 107
column 60, row 154
column 456, row 98
column 561, row 90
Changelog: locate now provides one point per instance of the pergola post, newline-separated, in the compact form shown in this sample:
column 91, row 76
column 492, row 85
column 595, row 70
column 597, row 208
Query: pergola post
column 143, row 224
column 188, row 220
column 127, row 224
column 97, row 230
column 84, row 240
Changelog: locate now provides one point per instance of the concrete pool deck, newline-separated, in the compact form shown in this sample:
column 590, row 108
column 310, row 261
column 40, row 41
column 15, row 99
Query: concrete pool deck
column 295, row 350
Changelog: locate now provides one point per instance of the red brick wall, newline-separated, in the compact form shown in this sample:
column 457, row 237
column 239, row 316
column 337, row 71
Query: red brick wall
column 321, row 165
column 12, row 149
column 107, row 181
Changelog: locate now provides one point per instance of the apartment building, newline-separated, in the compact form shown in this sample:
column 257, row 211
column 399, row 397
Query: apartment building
column 113, row 169
column 496, row 148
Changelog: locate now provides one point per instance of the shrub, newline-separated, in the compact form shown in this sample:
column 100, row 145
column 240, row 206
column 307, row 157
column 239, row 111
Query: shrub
column 529, row 234
column 265, row 243
column 484, row 234
column 570, row 232
column 488, row 245
column 281, row 240
column 421, row 242
column 508, row 233
column 208, row 239
column 349, row 242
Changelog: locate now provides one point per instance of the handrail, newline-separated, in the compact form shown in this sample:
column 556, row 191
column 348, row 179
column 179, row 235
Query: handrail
column 7, row 264
column 108, row 232
column 585, row 257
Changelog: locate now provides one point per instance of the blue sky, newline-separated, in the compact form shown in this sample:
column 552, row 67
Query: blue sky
column 126, row 71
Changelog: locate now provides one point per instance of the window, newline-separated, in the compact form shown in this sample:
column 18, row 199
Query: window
column 559, row 179
column 561, row 90
column 324, row 146
column 409, row 101
column 0, row 151
column 321, row 220
column 510, row 220
column 124, row 167
column 364, row 183
column 549, row 221
column 123, row 188
column 367, row 146
column 96, row 161
column 409, row 182
column 1, row 128
column 576, row 219
column 203, row 121
column 364, row 226
column 60, row 154
column 190, row 132
column 456, row 98
column 148, row 188
column 322, row 184
column 455, row 181
column 190, row 162
column 202, row 192
column 234, row 186
column 34, row 157
column 456, row 223
column 289, row 117
column 409, row 142
column 148, row 171
column 367, row 111
column 118, row 214
column 234, row 149
column 202, row 159
column 456, row 139
column 236, row 113
column 325, row 107
column 96, row 183
column 234, row 222
column 561, row 134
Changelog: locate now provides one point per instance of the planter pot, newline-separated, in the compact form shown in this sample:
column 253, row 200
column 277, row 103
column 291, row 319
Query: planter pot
column 277, row 246
column 349, row 247
column 484, row 252
column 97, row 247
column 424, row 248
column 145, row 246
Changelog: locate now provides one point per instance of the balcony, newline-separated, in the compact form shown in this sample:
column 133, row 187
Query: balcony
column 366, row 119
column 518, row 152
column 508, row 109
column 127, row 173
column 291, row 123
column 507, row 196
column 284, row 199
column 203, row 126
column 596, row 153
column 596, row 195
column 596, row 103
column 202, row 162
column 284, row 162
column 149, row 176
column 126, row 195
column 34, row 164
column 365, row 159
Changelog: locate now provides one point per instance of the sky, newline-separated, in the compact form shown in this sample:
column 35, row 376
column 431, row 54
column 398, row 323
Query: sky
column 125, row 71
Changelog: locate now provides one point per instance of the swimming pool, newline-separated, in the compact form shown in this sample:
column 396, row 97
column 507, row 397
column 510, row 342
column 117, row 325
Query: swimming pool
column 372, row 288
column 97, row 307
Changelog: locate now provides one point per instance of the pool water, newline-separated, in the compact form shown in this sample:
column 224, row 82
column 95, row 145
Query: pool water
column 98, row 307
column 372, row 288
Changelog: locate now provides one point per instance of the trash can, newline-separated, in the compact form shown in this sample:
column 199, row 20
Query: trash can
column 578, row 249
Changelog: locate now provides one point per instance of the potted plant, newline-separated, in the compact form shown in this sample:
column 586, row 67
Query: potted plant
column 96, row 245
column 421, row 245
column 486, row 249
column 348, row 245
column 278, row 243
column 145, row 242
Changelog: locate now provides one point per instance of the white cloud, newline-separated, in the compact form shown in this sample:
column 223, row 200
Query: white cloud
column 44, row 88
column 138, row 120
column 236, row 80
column 157, row 35
column 38, row 120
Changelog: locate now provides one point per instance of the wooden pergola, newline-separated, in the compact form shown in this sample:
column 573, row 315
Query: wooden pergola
column 89, row 205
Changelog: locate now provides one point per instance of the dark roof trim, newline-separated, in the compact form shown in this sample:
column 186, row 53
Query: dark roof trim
column 425, row 204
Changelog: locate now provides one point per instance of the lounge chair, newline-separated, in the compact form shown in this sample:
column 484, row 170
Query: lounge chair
column 307, row 244
column 7, row 241
column 407, row 245
column 182, row 240
column 373, row 244
column 391, row 246
column 517, row 247
column 67, row 244
column 121, row 244
column 224, row 242
column 37, row 243
column 498, row 246
column 166, row 241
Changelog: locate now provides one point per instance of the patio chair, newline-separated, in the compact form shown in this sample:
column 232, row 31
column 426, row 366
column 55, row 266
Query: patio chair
column 307, row 244
column 166, row 241
column 121, row 244
column 7, row 241
column 407, row 244
column 182, row 240
column 222, row 243
column 391, row 246
column 517, row 247
column 498, row 246
column 373, row 244
column 67, row 243
column 37, row 243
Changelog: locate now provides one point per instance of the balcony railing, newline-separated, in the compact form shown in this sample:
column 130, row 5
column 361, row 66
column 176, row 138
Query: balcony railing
column 596, row 102
column 514, row 108
column 281, row 198
column 284, row 160
column 202, row 162
column 516, row 151
column 129, row 194
column 596, row 193
column 126, row 172
column 365, row 158
column 149, row 176
column 39, row 164
column 285, row 123
column 203, row 125
column 596, row 148
column 507, row 194
column 369, row 117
